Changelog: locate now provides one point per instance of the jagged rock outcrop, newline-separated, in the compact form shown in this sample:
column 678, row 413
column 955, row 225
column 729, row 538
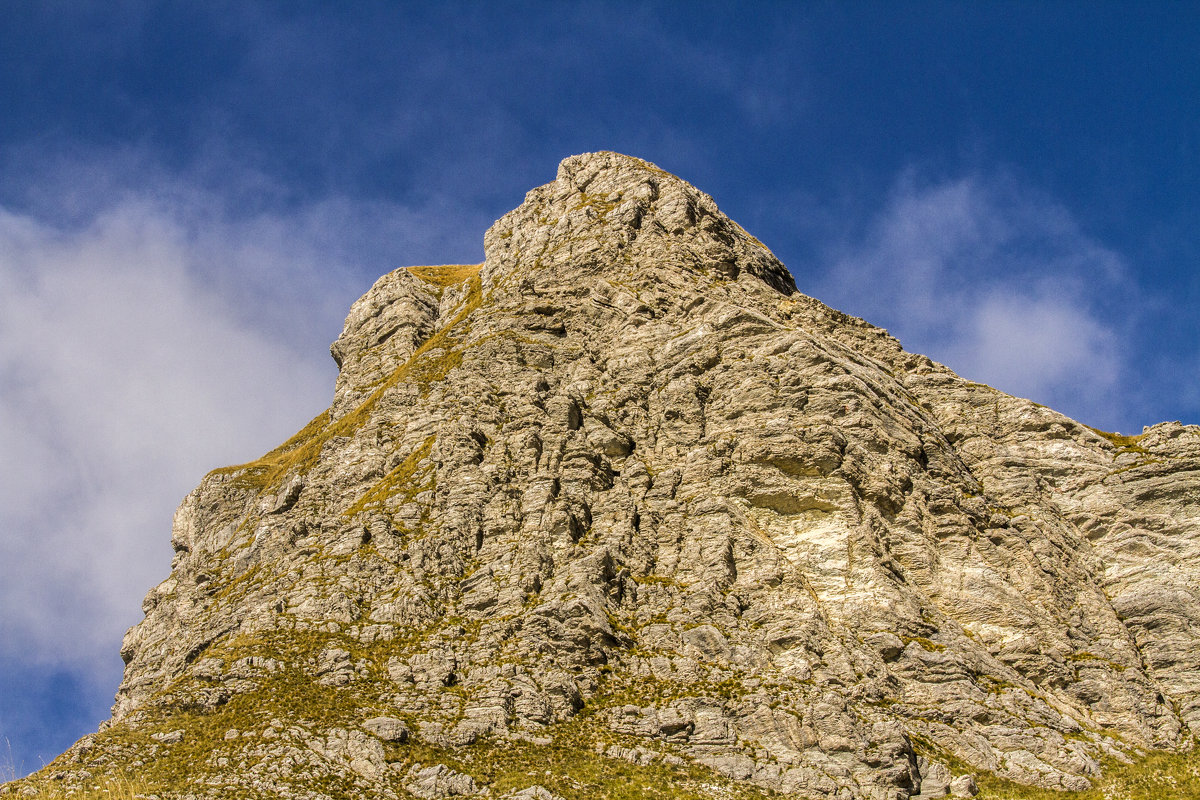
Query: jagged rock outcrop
column 620, row 504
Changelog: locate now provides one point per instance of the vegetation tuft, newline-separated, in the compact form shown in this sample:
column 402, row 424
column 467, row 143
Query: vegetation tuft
column 399, row 480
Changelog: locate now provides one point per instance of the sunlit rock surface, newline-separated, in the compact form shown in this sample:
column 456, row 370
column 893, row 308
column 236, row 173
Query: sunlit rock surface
column 620, row 507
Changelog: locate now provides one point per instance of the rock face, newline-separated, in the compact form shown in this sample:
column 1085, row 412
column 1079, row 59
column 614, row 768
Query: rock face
column 620, row 504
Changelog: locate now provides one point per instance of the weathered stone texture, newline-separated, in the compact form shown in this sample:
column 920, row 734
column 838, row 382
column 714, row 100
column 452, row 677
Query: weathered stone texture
column 626, row 478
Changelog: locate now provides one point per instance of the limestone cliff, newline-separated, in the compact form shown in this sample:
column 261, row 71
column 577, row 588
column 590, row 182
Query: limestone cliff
column 619, row 510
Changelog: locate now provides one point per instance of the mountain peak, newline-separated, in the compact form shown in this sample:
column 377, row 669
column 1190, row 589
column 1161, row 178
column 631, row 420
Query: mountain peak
column 605, row 209
column 620, row 508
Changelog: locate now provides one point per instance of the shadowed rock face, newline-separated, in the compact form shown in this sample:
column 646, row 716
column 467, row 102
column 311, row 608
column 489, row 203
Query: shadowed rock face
column 621, row 491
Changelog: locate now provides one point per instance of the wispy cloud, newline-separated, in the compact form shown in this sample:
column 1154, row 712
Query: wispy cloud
column 1040, row 346
column 998, row 282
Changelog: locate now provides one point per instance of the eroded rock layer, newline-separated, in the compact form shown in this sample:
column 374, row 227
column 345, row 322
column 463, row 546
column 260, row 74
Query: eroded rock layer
column 620, row 504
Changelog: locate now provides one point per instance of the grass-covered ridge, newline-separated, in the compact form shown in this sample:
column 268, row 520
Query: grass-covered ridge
column 1120, row 440
column 566, row 761
column 400, row 479
column 428, row 364
column 446, row 275
column 288, row 703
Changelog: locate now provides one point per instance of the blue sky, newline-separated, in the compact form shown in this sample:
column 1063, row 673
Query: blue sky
column 191, row 195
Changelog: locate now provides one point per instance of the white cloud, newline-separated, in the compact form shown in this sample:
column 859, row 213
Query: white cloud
column 998, row 282
column 1038, row 346
column 125, row 379
column 137, row 352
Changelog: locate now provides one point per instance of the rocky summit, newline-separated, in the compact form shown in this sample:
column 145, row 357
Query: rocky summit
column 621, row 513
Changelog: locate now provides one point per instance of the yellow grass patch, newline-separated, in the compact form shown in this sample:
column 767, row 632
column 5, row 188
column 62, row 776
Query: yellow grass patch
column 446, row 274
